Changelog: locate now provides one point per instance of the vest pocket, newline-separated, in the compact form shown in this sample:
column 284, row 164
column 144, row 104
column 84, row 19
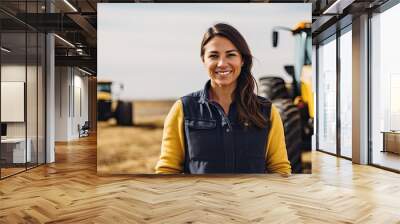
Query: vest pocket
column 200, row 124
column 201, row 138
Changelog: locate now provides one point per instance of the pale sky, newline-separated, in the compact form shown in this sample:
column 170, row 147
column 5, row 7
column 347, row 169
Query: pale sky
column 154, row 49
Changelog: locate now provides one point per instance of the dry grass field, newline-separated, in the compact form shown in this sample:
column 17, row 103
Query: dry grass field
column 132, row 149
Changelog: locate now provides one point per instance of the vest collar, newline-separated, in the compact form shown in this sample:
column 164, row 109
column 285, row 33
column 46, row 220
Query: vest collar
column 204, row 93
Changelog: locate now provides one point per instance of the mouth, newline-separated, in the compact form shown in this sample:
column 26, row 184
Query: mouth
column 224, row 73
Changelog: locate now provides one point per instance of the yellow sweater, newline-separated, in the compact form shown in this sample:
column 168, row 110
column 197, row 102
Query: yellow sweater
column 173, row 148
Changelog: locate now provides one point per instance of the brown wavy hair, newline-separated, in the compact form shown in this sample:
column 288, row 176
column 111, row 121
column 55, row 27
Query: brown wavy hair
column 248, row 104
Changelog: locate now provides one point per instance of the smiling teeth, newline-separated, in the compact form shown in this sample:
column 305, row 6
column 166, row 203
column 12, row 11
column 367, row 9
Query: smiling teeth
column 223, row 73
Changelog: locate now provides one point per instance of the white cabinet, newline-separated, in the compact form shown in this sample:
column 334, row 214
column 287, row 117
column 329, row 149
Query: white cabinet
column 17, row 147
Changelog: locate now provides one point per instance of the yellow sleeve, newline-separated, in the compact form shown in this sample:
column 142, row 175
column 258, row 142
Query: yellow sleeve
column 172, row 145
column 277, row 159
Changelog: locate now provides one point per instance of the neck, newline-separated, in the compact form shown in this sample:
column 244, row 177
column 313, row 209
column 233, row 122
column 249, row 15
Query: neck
column 222, row 94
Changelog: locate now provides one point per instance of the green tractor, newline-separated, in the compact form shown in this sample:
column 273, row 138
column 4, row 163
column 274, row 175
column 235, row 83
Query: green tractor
column 295, row 100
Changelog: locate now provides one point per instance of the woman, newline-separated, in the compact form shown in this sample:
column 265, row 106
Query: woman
column 224, row 128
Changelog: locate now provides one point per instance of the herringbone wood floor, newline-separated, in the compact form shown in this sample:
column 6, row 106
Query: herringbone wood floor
column 69, row 191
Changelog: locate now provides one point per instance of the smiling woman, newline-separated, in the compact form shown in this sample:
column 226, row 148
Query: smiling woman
column 224, row 128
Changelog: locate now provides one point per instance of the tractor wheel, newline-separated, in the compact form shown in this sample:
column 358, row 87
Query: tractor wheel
column 104, row 110
column 124, row 113
column 274, row 88
column 291, row 120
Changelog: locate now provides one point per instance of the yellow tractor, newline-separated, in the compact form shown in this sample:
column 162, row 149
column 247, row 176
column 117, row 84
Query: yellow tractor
column 295, row 100
column 108, row 108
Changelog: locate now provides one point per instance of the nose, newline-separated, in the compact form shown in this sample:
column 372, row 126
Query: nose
column 221, row 62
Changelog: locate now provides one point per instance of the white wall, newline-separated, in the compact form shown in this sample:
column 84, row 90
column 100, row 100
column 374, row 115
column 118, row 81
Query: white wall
column 62, row 81
column 71, row 94
column 14, row 73
column 17, row 73
column 81, row 104
column 33, row 126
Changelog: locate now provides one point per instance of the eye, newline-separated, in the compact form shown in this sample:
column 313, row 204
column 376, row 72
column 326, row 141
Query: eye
column 232, row 55
column 213, row 56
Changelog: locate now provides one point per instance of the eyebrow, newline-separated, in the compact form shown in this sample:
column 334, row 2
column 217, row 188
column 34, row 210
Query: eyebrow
column 229, row 51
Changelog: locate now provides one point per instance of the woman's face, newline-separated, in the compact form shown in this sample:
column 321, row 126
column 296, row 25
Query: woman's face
column 223, row 61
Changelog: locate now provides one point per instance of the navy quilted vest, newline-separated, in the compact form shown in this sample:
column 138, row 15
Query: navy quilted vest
column 216, row 143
